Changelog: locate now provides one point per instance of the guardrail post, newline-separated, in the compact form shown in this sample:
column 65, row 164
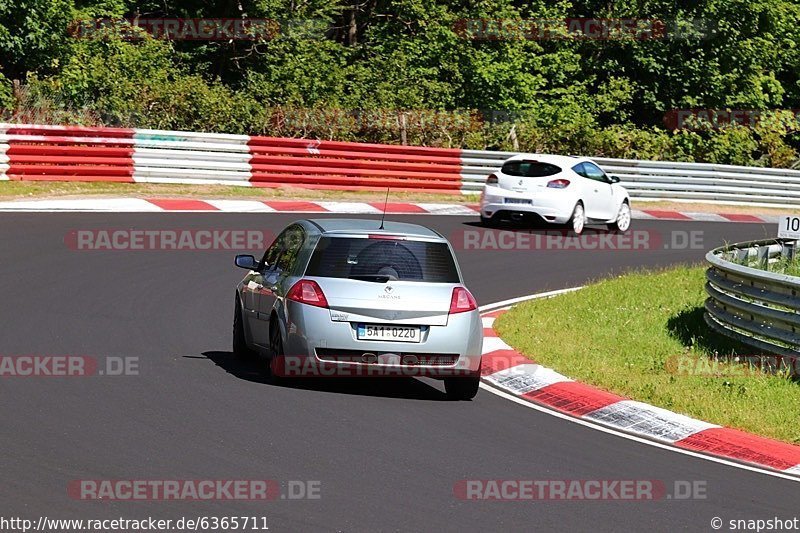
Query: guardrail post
column 763, row 256
column 789, row 250
column 741, row 255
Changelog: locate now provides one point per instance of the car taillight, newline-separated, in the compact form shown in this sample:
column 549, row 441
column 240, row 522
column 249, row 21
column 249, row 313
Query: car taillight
column 491, row 180
column 307, row 291
column 462, row 301
column 558, row 184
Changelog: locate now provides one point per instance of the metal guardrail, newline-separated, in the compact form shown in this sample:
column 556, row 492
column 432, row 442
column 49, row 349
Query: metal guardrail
column 750, row 304
column 668, row 180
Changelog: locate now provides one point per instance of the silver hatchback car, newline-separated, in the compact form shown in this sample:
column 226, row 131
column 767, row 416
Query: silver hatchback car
column 345, row 297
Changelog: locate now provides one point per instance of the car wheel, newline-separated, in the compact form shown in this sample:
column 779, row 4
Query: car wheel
column 623, row 220
column 462, row 388
column 275, row 349
column 240, row 348
column 578, row 219
column 488, row 222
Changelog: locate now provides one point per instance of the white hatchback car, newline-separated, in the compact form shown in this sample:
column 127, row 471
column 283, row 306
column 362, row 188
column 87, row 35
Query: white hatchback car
column 557, row 189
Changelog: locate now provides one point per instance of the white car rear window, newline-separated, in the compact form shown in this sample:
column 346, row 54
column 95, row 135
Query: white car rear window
column 529, row 169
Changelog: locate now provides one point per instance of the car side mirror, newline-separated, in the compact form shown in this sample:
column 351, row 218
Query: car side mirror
column 246, row 261
column 614, row 179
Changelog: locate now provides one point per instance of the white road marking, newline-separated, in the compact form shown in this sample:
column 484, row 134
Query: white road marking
column 492, row 344
column 349, row 207
column 447, row 209
column 121, row 205
column 707, row 217
column 525, row 378
column 648, row 420
column 508, row 303
column 241, row 206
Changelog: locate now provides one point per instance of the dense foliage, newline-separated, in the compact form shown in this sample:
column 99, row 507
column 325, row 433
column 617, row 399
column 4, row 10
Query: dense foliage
column 408, row 71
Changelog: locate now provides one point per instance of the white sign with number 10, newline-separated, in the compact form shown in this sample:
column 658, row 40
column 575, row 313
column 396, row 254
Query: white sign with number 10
column 789, row 227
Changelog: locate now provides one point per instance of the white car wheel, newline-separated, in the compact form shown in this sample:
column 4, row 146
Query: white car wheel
column 623, row 221
column 578, row 219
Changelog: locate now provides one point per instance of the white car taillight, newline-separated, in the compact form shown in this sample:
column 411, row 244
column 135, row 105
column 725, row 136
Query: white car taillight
column 558, row 184
column 491, row 180
column 462, row 301
column 307, row 291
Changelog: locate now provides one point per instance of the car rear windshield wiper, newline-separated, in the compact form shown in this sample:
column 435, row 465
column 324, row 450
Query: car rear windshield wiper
column 377, row 278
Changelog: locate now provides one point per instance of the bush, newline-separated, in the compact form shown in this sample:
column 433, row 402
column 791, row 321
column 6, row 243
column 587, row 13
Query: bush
column 408, row 71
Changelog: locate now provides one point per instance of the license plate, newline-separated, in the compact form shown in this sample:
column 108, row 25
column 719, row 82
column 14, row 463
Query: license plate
column 518, row 201
column 381, row 332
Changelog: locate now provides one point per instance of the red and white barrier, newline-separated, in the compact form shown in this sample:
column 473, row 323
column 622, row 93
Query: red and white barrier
column 62, row 153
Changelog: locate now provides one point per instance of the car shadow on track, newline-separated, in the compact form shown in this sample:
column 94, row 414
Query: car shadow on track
column 255, row 370
column 529, row 225
column 544, row 228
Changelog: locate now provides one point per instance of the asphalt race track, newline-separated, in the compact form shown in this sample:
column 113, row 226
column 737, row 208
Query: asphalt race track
column 386, row 452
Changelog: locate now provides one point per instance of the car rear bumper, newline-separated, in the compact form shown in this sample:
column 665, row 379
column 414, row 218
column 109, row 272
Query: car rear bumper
column 315, row 343
column 551, row 205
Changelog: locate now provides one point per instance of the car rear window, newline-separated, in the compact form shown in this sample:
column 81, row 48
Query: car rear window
column 383, row 260
column 529, row 169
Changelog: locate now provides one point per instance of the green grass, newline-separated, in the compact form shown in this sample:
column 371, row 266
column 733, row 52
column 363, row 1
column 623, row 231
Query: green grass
column 627, row 334
column 793, row 269
column 783, row 266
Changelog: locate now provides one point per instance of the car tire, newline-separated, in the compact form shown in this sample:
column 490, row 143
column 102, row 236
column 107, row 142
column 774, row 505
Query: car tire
column 488, row 222
column 623, row 221
column 275, row 350
column 462, row 388
column 240, row 348
column 577, row 221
